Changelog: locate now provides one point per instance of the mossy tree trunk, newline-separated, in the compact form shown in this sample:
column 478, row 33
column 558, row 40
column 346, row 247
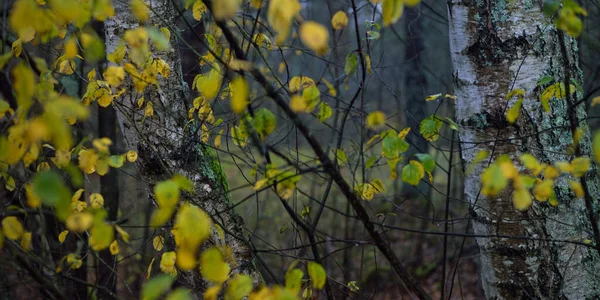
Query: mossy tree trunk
column 165, row 149
column 498, row 46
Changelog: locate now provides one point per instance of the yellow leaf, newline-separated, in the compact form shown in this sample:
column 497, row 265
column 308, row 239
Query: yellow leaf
column 33, row 200
column 280, row 15
column 239, row 95
column 367, row 63
column 186, row 259
column 543, row 190
column 149, row 110
column 132, row 156
column 101, row 236
column 376, row 119
column 79, row 222
column 521, row 199
column 212, row 265
column 212, row 293
column 149, row 270
column 118, row 54
column 124, row 235
column 114, row 75
column 91, row 75
column 330, row 88
column 77, row 195
column 17, row 48
column 71, row 48
column 297, row 104
column 392, row 11
column 576, row 188
column 218, row 139
column 404, row 132
column 198, row 9
column 225, row 9
column 595, row 101
column 513, row 113
column 167, row 262
column 12, row 227
column 62, row 236
column 158, row 242
column 339, row 20
column 193, row 226
column 433, row 97
column 26, row 241
column 114, row 247
column 140, row 10
column 96, row 200
column 580, row 166
column 314, row 36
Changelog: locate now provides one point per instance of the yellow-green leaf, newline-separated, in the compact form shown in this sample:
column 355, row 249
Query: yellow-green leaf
column 212, row 265
column 521, row 199
column 317, row 275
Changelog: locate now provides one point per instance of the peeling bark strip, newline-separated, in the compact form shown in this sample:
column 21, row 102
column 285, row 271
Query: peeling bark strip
column 164, row 149
column 498, row 46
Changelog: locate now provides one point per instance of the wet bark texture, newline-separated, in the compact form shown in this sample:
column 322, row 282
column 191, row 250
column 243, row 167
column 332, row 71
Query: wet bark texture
column 165, row 149
column 498, row 46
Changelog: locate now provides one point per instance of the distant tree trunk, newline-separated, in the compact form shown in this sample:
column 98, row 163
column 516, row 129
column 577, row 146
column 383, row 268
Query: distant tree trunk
column 498, row 46
column 164, row 149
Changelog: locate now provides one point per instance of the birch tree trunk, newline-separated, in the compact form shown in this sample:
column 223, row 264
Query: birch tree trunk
column 498, row 46
column 165, row 149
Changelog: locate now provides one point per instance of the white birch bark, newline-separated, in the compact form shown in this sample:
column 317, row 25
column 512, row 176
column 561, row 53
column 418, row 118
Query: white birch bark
column 497, row 46
column 164, row 149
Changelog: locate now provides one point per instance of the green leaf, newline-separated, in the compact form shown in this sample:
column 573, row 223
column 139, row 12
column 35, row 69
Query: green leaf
column 596, row 146
column 393, row 146
column 116, row 161
column 351, row 64
column 157, row 286
column 324, row 111
column 264, row 122
column 545, row 80
column 317, row 275
column 53, row 192
column 341, row 157
column 412, row 173
column 370, row 162
column 430, row 128
column 427, row 161
column 451, row 124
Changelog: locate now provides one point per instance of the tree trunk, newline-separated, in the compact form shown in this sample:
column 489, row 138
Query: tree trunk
column 498, row 46
column 165, row 149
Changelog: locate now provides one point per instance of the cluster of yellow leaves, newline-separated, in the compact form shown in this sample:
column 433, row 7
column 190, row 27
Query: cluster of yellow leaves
column 286, row 181
column 52, row 18
column 369, row 189
column 538, row 179
column 13, row 230
column 569, row 18
column 310, row 97
column 98, row 159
